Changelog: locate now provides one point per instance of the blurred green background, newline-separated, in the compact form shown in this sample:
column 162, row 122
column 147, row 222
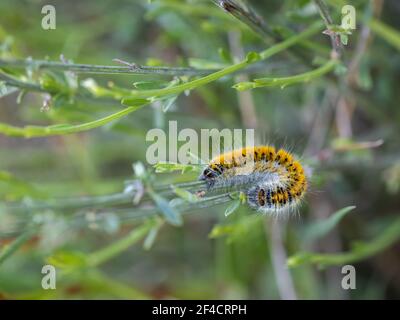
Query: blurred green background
column 335, row 123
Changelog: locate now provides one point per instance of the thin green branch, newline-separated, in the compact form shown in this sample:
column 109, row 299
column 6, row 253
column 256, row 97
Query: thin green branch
column 34, row 87
column 105, row 254
column 124, row 204
column 124, row 215
column 127, row 215
column 38, row 131
column 7, row 251
column 13, row 82
column 100, row 69
column 122, row 198
column 286, row 81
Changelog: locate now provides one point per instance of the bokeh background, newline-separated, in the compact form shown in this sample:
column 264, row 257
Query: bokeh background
column 346, row 127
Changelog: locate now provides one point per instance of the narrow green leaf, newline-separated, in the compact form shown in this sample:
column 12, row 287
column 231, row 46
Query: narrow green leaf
column 232, row 207
column 321, row 228
column 146, row 85
column 9, row 250
column 134, row 102
column 152, row 235
column 170, row 214
column 168, row 103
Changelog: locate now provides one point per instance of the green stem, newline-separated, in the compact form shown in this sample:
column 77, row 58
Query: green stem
column 99, row 69
column 97, row 279
column 99, row 257
column 16, row 244
column 34, row 87
column 20, row 84
column 285, row 81
column 38, row 131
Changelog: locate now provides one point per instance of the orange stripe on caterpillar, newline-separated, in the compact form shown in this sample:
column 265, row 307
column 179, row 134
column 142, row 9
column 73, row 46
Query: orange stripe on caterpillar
column 273, row 180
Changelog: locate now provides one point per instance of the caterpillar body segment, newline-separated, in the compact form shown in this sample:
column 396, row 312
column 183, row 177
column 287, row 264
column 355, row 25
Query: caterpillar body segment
column 273, row 179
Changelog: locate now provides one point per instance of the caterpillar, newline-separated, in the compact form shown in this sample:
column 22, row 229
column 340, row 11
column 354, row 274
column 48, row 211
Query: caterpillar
column 273, row 180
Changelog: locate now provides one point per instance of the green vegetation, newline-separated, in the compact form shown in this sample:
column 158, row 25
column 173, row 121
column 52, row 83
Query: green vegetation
column 77, row 102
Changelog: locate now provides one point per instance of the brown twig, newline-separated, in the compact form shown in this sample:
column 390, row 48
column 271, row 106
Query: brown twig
column 284, row 279
column 246, row 102
column 335, row 39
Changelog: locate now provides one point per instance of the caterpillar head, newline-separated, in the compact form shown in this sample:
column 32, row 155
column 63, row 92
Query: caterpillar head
column 208, row 174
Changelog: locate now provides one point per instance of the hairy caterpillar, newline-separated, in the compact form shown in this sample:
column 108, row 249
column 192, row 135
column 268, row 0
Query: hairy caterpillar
column 273, row 180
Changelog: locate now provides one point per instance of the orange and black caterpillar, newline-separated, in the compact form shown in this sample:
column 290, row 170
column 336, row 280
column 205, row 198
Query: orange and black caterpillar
column 273, row 180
